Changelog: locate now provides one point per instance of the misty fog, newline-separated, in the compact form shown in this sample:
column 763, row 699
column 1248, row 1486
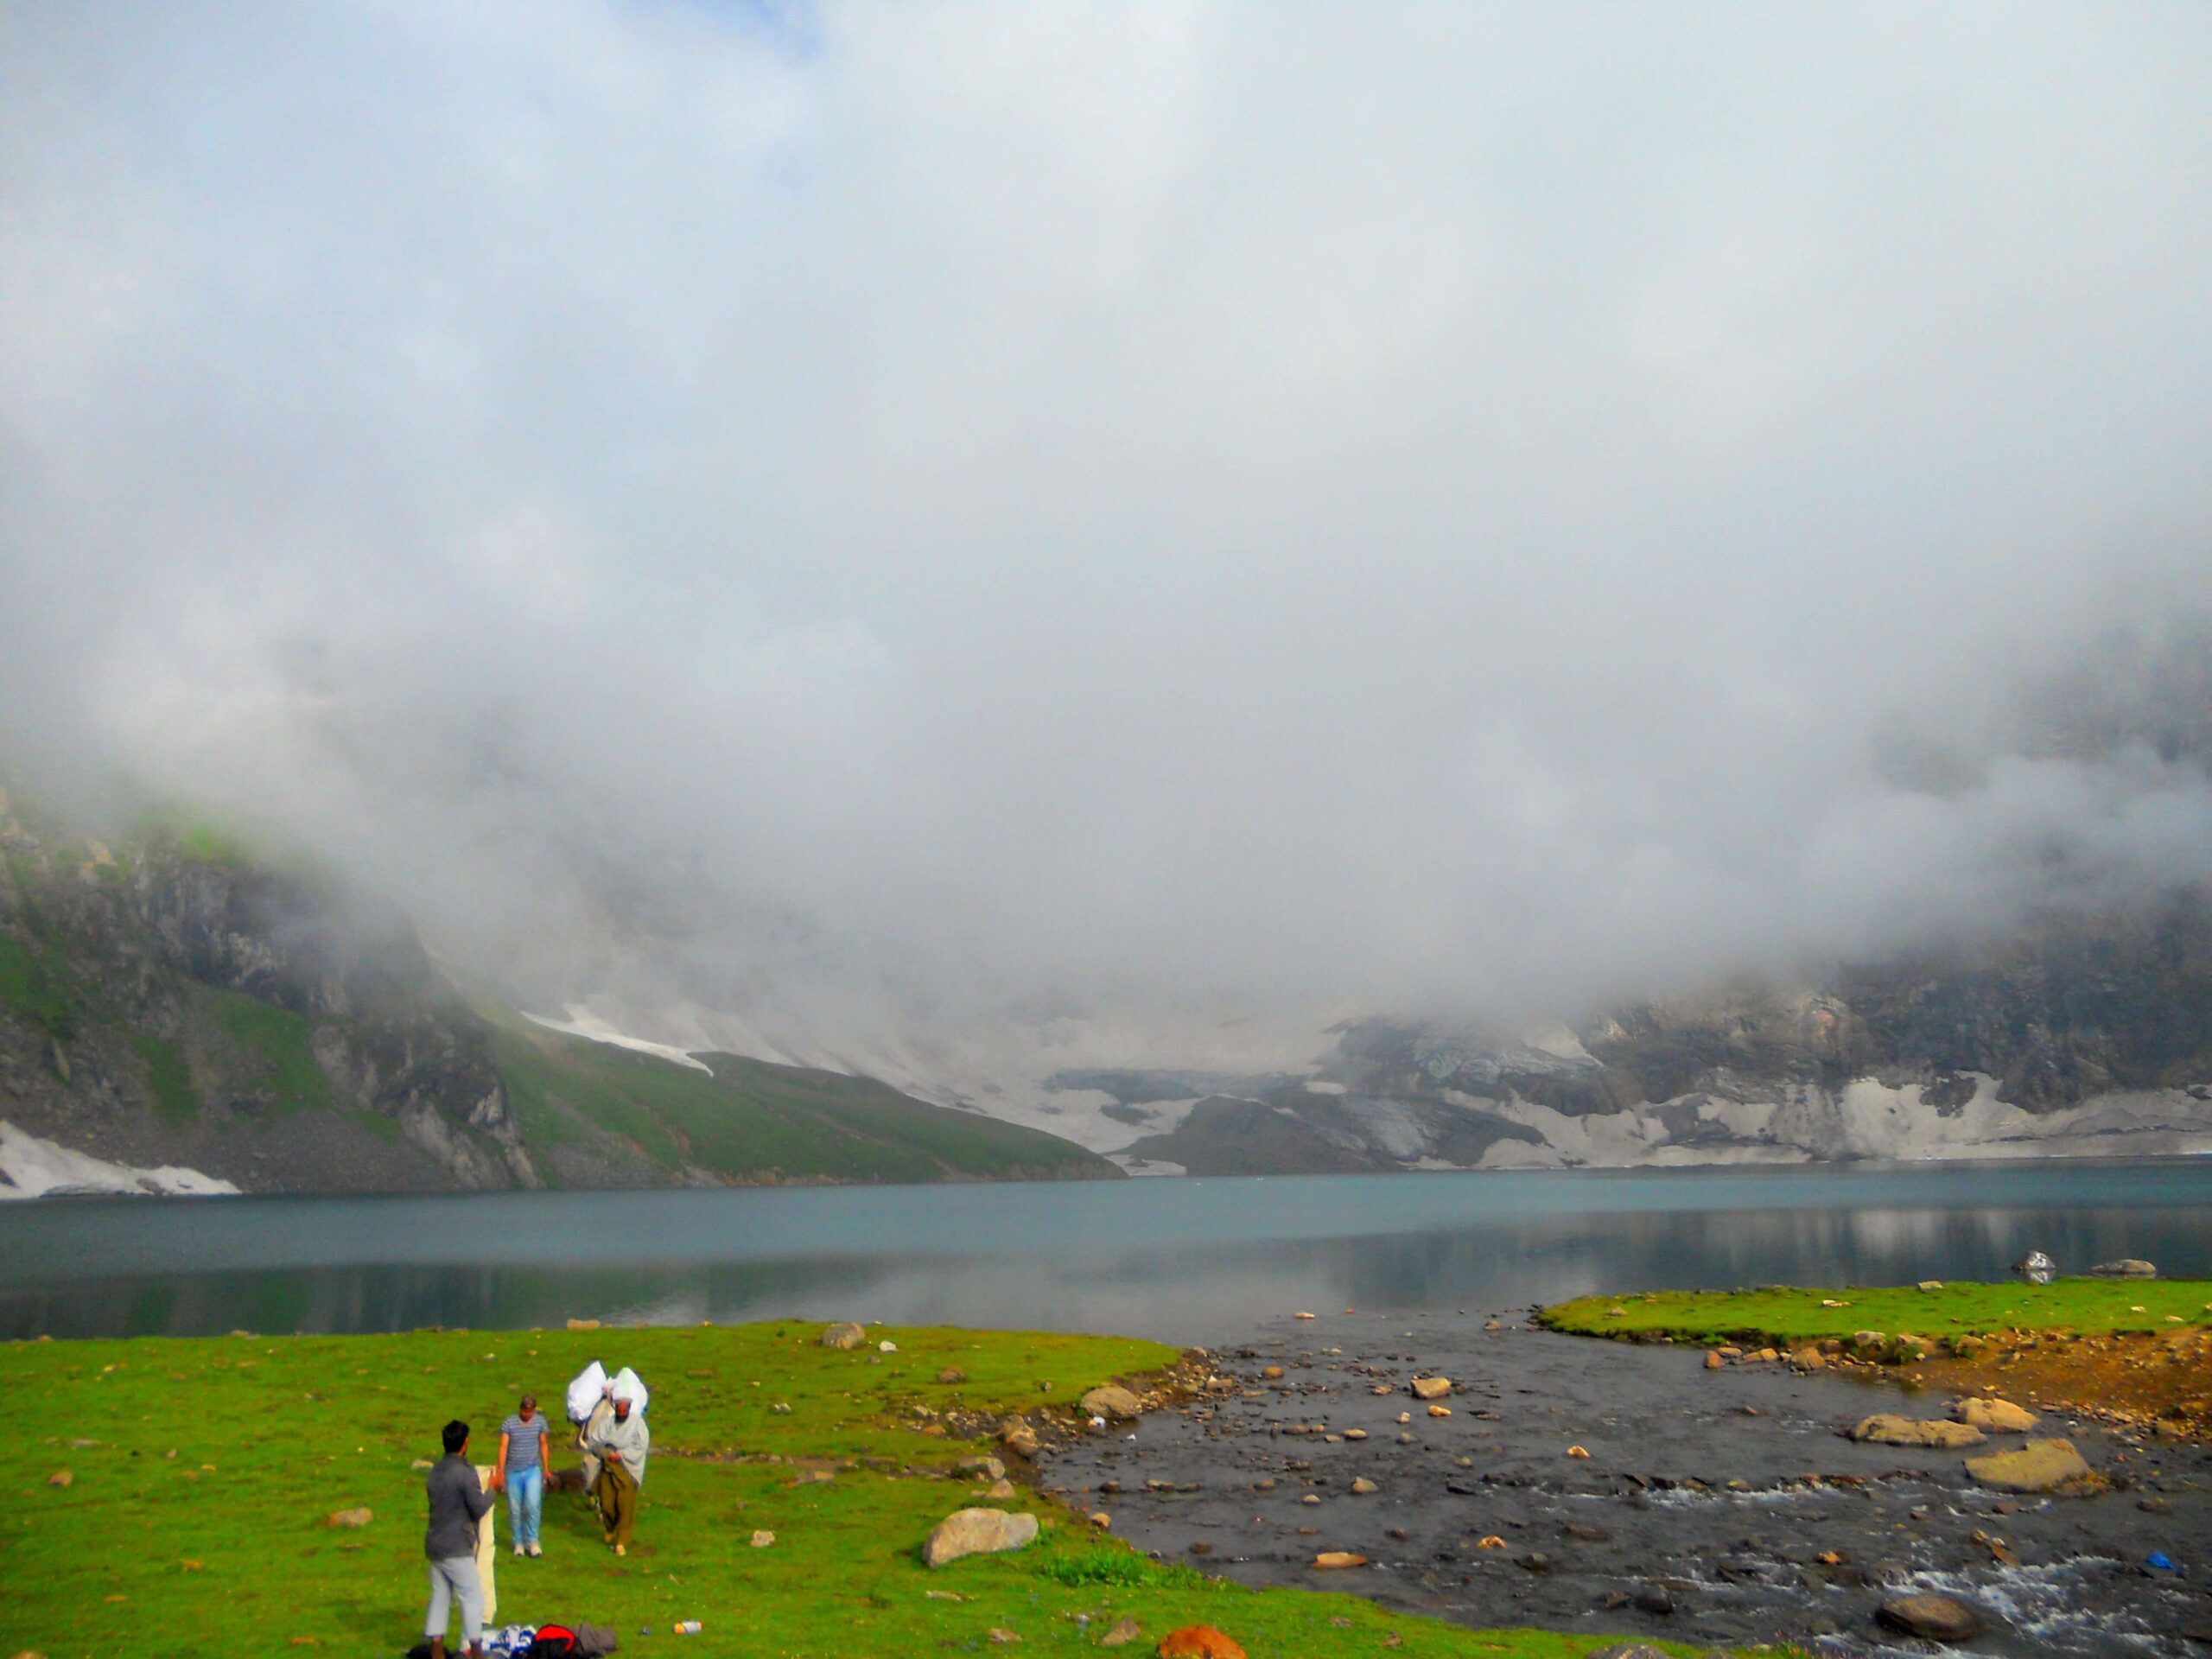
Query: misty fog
column 941, row 514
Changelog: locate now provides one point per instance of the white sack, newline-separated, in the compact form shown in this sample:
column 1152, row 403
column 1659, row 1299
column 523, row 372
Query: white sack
column 584, row 1392
column 628, row 1385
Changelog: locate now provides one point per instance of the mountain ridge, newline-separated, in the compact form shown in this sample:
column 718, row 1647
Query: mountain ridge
column 173, row 1004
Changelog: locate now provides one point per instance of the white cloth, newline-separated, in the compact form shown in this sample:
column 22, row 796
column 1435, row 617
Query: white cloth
column 628, row 1385
column 487, row 1554
column 584, row 1392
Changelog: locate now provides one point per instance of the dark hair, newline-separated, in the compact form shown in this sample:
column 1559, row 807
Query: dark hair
column 457, row 1432
column 530, row 1400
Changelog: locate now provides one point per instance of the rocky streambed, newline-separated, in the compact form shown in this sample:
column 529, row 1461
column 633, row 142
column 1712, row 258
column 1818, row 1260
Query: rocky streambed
column 1605, row 1487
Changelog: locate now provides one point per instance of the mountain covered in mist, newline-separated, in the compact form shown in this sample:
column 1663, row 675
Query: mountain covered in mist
column 2080, row 1036
column 178, row 1015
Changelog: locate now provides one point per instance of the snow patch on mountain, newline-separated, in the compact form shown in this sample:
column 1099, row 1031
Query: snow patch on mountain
column 31, row 1167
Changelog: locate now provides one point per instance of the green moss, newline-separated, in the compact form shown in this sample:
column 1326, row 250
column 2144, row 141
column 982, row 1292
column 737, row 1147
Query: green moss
column 222, row 1548
column 1781, row 1316
column 168, row 1078
column 35, row 981
column 271, row 1048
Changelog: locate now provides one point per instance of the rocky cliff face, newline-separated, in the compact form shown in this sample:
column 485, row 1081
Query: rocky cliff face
column 171, row 1002
column 2083, row 1036
column 177, row 1016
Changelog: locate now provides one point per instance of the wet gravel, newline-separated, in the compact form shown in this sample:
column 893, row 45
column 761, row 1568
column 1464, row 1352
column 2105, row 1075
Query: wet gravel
column 1714, row 1507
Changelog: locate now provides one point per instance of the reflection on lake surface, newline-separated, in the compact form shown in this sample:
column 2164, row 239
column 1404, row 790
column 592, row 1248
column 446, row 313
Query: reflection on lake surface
column 1183, row 1260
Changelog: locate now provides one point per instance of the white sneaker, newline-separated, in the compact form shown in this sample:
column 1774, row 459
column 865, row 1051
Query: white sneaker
column 519, row 1550
column 535, row 1550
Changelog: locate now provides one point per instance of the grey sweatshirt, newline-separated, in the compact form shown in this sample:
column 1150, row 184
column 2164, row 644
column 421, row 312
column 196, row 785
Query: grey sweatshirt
column 458, row 1501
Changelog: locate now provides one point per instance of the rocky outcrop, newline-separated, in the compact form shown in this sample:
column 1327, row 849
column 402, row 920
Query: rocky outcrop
column 168, row 1000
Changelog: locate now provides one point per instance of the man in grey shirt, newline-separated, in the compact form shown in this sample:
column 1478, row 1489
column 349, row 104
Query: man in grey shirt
column 458, row 1501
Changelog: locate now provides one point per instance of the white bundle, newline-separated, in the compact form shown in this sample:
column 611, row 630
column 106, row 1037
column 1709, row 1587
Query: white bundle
column 629, row 1386
column 584, row 1392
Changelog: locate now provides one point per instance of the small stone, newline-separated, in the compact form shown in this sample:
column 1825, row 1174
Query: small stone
column 844, row 1337
column 1994, row 1416
column 1198, row 1641
column 1576, row 1452
column 1301, row 1316
column 892, row 1348
column 1712, row 1362
column 574, row 1325
column 1439, row 1411
column 1123, row 1631
column 1430, row 1388
column 351, row 1517
column 1362, row 1486
column 950, row 1375
column 2128, row 1267
column 1355, row 1434
column 61, row 1477
column 1654, row 1599
column 1931, row 1284
column 1100, row 1520
column 763, row 1540
column 1493, row 1541
column 1626, row 1650
column 2038, row 1466
column 978, row 1532
column 1889, row 1429
column 1272, row 1373
column 1332, row 1561
column 1001, row 1488
column 1003, row 1637
column 1935, row 1618
column 1112, row 1401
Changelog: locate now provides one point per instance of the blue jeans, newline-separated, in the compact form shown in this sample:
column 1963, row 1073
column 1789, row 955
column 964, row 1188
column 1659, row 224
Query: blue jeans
column 525, row 1501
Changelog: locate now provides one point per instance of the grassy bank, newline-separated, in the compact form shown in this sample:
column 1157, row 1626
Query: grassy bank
column 1785, row 1317
column 202, row 1472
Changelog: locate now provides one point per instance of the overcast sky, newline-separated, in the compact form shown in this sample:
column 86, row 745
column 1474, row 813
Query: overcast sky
column 1450, row 506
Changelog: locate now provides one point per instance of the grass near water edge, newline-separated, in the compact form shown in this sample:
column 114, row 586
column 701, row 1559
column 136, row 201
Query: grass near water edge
column 203, row 1470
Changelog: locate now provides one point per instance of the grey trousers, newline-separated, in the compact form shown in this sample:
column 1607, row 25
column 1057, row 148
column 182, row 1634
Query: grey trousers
column 451, row 1580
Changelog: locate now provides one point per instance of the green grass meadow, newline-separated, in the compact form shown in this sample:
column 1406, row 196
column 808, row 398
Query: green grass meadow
column 1783, row 1315
column 204, row 1469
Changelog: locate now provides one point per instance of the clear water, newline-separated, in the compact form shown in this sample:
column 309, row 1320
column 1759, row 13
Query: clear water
column 1181, row 1260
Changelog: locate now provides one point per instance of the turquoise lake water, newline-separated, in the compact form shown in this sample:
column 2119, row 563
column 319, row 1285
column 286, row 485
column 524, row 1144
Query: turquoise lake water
column 1185, row 1260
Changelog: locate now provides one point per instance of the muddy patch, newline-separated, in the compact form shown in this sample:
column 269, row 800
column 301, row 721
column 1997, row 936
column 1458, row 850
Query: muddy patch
column 1603, row 1487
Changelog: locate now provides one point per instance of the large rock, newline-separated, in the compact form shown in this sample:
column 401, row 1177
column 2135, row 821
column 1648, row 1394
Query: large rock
column 978, row 1532
column 1112, row 1400
column 1936, row 1618
column 1198, row 1641
column 844, row 1338
column 2038, row 1466
column 1994, row 1416
column 1888, row 1429
column 2128, row 1267
column 2036, row 1267
column 1432, row 1387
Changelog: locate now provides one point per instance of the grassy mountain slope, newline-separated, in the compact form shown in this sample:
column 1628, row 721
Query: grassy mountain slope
column 177, row 999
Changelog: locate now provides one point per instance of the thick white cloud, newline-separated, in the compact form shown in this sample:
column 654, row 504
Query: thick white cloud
column 1326, row 507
